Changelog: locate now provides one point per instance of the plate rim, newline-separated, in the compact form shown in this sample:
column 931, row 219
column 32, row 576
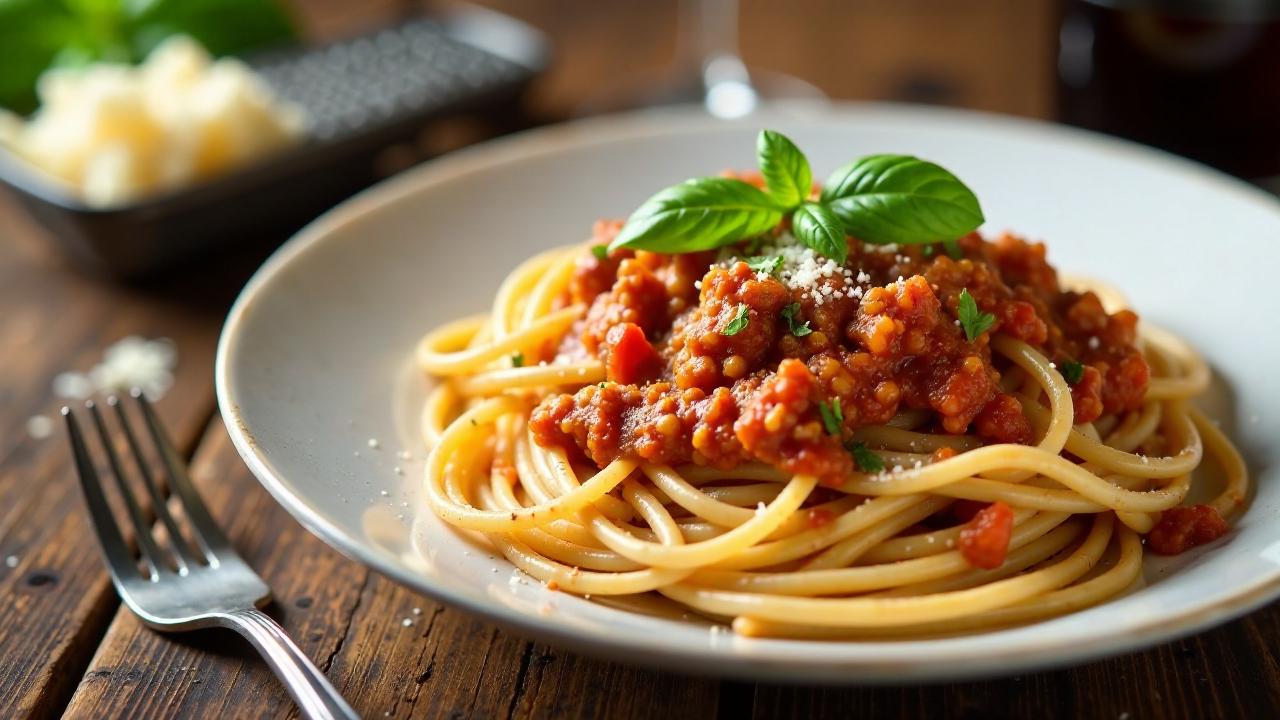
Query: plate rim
column 602, row 130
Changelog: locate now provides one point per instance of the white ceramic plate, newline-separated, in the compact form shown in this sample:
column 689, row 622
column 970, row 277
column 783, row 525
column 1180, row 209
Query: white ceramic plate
column 315, row 359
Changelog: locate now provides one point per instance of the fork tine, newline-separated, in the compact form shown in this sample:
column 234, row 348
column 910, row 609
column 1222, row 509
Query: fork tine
column 208, row 533
column 183, row 554
column 119, row 559
column 141, row 528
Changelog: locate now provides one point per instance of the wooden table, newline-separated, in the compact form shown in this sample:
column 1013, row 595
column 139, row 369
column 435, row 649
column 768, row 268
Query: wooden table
column 67, row 647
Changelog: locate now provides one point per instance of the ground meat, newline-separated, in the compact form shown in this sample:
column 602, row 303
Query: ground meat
column 705, row 368
column 592, row 274
column 1182, row 528
column 780, row 425
column 638, row 297
column 703, row 352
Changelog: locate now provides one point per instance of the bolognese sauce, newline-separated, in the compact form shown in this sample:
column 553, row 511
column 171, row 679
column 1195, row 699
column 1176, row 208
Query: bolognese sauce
column 724, row 358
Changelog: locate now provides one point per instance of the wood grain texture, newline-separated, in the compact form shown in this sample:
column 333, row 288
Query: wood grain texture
column 55, row 599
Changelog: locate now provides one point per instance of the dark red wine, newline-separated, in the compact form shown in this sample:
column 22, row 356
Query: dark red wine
column 1200, row 78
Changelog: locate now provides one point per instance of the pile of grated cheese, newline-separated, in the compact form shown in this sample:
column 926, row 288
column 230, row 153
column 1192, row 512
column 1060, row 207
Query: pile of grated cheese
column 817, row 278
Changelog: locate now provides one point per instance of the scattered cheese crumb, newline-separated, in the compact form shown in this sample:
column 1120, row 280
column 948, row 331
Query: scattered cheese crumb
column 1094, row 343
column 417, row 611
column 72, row 385
column 405, row 455
column 11, row 561
column 374, row 444
column 818, row 278
column 397, row 470
column 407, row 622
column 384, row 493
column 760, row 508
column 132, row 362
column 39, row 427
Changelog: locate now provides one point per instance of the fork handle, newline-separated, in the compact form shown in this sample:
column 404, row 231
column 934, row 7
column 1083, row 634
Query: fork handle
column 315, row 695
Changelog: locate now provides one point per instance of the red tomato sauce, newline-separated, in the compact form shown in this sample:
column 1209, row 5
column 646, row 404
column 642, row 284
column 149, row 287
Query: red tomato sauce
column 686, row 385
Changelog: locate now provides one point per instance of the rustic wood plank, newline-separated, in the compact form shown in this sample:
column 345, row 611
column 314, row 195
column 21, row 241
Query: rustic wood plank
column 214, row 674
column 54, row 596
column 562, row 684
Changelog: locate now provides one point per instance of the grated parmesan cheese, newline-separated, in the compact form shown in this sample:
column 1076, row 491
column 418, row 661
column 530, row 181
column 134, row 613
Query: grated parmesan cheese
column 817, row 278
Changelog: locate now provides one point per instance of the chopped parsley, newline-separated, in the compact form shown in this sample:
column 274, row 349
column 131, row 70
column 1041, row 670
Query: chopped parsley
column 867, row 461
column 1072, row 371
column 517, row 359
column 832, row 416
column 974, row 321
column 789, row 314
column 739, row 321
column 600, row 251
column 764, row 263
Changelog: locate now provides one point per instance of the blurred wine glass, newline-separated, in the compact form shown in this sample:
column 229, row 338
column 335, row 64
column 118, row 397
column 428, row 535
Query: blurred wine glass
column 707, row 70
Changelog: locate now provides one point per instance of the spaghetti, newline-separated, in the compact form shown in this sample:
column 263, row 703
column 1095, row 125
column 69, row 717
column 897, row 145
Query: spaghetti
column 879, row 475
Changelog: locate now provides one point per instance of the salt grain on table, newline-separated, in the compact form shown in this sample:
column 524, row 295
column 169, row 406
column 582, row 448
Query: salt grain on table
column 39, row 427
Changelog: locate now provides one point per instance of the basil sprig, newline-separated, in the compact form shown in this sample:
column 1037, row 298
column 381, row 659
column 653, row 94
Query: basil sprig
column 879, row 199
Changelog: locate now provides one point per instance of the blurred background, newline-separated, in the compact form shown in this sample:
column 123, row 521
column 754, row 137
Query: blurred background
column 128, row 174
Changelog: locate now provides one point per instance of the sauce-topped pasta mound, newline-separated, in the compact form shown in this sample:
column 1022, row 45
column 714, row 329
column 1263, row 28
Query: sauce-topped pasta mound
column 820, row 412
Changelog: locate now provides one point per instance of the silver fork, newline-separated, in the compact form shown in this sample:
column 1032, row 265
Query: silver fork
column 176, row 587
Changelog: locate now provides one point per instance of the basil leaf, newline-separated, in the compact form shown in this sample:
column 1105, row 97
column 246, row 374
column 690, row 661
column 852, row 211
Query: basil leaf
column 797, row 329
column 818, row 227
column 700, row 214
column 785, row 169
column 867, row 461
column 600, row 251
column 764, row 263
column 974, row 321
column 517, row 359
column 901, row 199
column 1072, row 371
column 739, row 321
column 832, row 416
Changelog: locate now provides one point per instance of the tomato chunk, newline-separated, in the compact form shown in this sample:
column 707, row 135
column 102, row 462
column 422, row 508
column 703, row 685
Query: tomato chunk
column 631, row 358
column 1183, row 528
column 984, row 541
